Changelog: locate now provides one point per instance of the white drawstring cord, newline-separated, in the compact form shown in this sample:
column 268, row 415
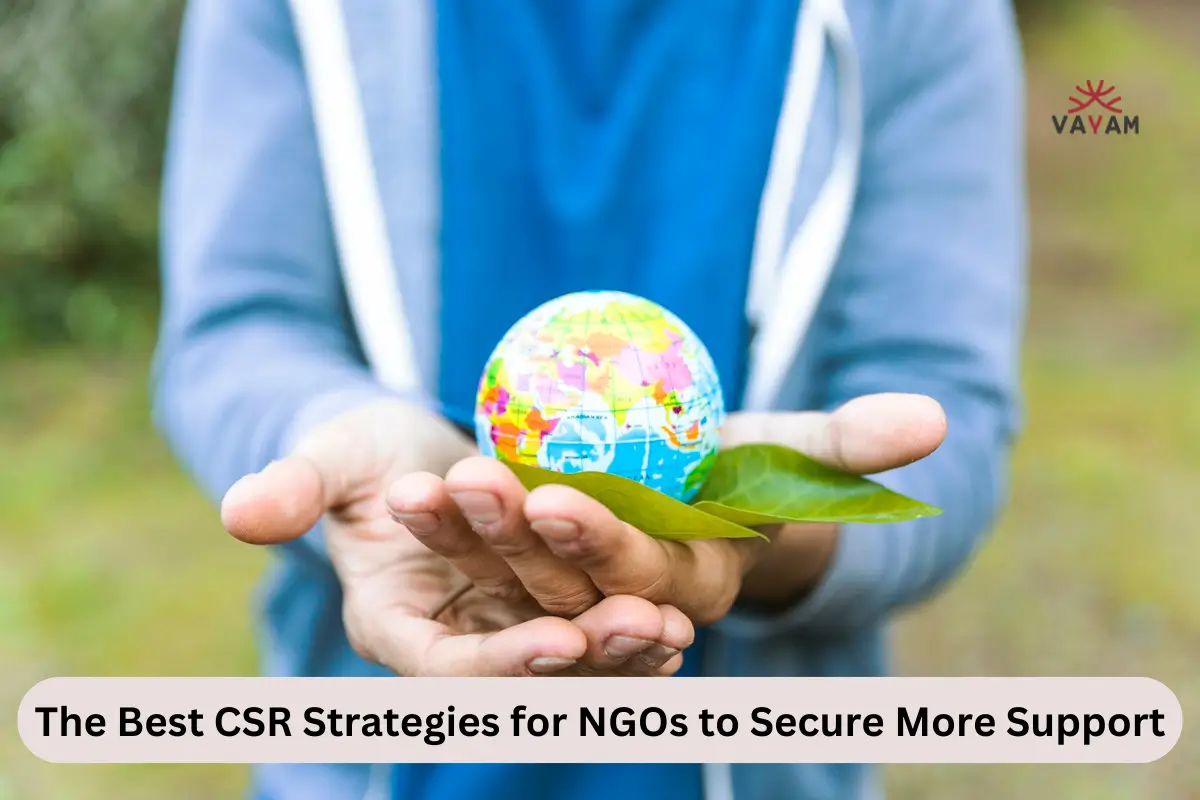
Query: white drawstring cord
column 369, row 274
column 785, row 294
column 791, row 135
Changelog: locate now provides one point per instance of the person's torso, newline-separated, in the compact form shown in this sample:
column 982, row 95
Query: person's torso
column 601, row 144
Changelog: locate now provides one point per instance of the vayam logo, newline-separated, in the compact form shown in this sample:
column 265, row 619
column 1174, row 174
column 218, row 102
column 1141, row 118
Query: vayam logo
column 1087, row 115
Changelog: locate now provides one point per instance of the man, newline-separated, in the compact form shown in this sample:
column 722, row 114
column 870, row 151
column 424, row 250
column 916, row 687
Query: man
column 362, row 196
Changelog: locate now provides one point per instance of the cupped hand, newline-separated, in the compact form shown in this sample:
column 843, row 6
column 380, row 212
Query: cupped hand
column 392, row 583
column 561, row 550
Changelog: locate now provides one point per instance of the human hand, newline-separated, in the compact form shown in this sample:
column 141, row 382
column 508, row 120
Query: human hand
column 391, row 583
column 566, row 552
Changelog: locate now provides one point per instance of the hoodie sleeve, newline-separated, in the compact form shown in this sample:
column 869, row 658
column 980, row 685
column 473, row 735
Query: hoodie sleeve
column 927, row 297
column 256, row 340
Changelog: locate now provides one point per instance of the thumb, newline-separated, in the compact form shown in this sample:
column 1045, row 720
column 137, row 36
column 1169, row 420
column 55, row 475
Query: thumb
column 868, row 434
column 280, row 503
column 336, row 464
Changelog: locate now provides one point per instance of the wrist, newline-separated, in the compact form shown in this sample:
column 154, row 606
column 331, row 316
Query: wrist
column 790, row 567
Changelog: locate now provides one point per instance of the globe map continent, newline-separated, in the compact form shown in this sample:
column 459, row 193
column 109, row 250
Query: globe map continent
column 603, row 382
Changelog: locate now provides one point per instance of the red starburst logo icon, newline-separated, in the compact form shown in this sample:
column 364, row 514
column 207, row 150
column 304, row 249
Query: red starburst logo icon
column 1095, row 94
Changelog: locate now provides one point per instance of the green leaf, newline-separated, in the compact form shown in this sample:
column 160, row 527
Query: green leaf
column 761, row 484
column 646, row 509
column 749, row 486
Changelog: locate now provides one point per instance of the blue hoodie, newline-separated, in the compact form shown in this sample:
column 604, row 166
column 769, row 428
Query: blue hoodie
column 524, row 149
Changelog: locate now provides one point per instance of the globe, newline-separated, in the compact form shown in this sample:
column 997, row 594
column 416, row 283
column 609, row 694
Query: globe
column 603, row 381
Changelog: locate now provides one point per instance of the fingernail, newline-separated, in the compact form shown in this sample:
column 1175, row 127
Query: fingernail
column 546, row 664
column 624, row 646
column 657, row 655
column 560, row 529
column 481, row 507
column 419, row 523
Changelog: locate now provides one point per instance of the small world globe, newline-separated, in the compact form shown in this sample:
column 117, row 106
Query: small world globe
column 607, row 382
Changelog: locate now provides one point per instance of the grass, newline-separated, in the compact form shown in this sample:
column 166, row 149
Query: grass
column 113, row 563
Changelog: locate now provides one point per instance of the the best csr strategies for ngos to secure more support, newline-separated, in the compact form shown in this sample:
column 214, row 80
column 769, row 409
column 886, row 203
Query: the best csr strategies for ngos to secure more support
column 434, row 729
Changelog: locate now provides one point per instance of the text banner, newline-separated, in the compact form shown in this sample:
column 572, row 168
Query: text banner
column 571, row 720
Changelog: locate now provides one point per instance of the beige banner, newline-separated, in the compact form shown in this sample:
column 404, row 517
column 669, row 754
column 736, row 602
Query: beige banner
column 545, row 720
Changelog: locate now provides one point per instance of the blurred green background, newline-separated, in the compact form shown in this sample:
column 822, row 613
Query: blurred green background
column 112, row 564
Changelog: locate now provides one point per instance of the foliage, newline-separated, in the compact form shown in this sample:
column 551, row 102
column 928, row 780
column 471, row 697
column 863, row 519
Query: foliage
column 1041, row 12
column 84, row 94
column 786, row 486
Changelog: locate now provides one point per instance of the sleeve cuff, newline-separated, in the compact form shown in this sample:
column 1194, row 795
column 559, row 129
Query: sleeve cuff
column 840, row 599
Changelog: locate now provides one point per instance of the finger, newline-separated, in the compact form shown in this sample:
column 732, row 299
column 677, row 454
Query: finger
column 678, row 635
column 700, row 578
column 666, row 656
column 492, row 500
column 279, row 504
column 413, row 646
column 868, row 434
column 662, row 658
column 421, row 502
column 619, row 630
